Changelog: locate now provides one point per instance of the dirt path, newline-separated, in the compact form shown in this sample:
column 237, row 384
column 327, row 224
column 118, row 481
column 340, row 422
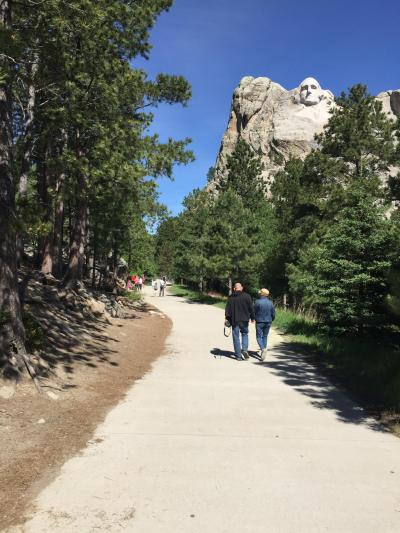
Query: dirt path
column 206, row 443
column 38, row 434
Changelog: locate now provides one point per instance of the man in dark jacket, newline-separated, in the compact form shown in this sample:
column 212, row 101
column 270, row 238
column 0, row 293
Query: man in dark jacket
column 265, row 314
column 239, row 310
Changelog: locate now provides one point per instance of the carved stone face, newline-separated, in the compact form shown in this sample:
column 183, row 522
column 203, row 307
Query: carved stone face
column 310, row 92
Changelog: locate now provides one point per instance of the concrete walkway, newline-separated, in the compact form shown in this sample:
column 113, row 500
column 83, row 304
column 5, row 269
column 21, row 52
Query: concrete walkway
column 208, row 444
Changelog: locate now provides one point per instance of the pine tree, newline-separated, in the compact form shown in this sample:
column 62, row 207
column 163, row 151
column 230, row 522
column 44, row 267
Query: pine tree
column 236, row 240
column 243, row 175
column 167, row 234
column 345, row 276
column 343, row 239
column 12, row 333
column 75, row 149
column 191, row 260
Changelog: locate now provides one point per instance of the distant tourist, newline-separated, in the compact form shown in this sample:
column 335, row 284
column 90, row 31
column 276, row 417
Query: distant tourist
column 239, row 310
column 134, row 280
column 162, row 286
column 265, row 314
column 154, row 284
column 140, row 283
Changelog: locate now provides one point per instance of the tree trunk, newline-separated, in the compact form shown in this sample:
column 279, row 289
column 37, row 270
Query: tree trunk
column 201, row 284
column 27, row 149
column 28, row 132
column 76, row 258
column 70, row 235
column 94, row 256
column 115, row 259
column 86, row 244
column 26, row 154
column 58, row 229
column 59, row 215
column 230, row 284
column 285, row 302
column 11, row 326
column 58, row 225
column 46, row 202
column 47, row 261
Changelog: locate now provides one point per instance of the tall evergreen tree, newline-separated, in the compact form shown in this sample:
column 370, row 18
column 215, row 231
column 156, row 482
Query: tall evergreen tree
column 345, row 276
column 338, row 186
column 11, row 326
column 191, row 260
column 243, row 175
column 75, row 138
column 167, row 235
column 236, row 240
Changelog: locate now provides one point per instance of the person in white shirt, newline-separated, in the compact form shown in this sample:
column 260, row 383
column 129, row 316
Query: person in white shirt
column 154, row 284
column 162, row 287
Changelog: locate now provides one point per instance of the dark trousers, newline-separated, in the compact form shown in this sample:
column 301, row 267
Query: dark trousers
column 240, row 329
column 262, row 330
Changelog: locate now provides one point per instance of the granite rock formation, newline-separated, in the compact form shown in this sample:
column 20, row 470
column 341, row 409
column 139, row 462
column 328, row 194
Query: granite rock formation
column 279, row 123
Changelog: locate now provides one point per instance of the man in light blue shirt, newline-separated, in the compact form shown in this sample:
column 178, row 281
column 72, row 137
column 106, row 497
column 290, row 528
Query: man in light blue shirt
column 265, row 314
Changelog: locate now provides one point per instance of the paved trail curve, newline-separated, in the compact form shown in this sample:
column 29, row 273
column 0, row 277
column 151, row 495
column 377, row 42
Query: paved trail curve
column 208, row 444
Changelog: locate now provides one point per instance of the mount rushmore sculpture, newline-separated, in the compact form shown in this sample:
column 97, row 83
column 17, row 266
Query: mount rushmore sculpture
column 279, row 123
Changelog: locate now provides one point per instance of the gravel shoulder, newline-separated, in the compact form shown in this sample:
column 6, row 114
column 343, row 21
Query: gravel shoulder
column 38, row 433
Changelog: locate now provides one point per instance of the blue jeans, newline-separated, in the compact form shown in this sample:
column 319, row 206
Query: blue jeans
column 242, row 328
column 262, row 330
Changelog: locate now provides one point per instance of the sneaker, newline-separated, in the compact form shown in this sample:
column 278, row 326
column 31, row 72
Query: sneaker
column 263, row 354
column 245, row 354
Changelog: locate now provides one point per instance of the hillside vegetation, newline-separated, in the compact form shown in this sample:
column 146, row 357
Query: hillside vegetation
column 77, row 161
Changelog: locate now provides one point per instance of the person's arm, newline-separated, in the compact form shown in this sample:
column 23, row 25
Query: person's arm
column 256, row 308
column 228, row 314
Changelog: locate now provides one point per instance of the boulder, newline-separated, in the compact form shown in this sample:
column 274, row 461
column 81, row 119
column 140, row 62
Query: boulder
column 96, row 307
column 390, row 102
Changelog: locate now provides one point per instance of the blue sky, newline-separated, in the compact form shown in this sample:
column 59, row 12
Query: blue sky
column 214, row 43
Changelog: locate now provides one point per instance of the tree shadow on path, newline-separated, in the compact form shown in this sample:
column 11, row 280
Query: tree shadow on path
column 298, row 372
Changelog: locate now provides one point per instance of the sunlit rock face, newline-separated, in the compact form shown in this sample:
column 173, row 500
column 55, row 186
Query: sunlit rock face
column 390, row 102
column 281, row 123
column 311, row 92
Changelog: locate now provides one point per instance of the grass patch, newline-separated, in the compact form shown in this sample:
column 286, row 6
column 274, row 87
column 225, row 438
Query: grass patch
column 368, row 369
column 295, row 324
column 134, row 296
column 196, row 296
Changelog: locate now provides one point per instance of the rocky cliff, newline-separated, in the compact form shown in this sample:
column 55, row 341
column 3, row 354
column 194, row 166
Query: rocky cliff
column 281, row 123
